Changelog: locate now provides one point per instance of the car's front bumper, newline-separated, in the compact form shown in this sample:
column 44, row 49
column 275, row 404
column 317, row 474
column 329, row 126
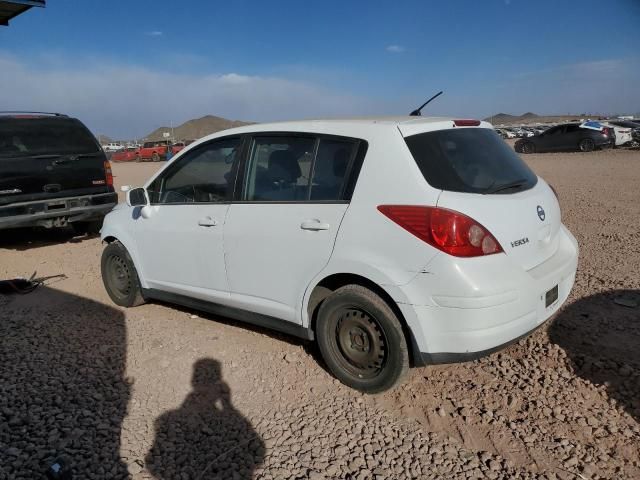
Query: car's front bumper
column 58, row 211
column 508, row 303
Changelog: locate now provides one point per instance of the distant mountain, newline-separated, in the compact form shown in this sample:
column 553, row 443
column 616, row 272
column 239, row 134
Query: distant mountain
column 103, row 139
column 196, row 128
column 501, row 118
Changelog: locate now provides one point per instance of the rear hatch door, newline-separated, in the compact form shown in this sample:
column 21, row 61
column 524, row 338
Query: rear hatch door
column 481, row 176
column 526, row 224
column 48, row 157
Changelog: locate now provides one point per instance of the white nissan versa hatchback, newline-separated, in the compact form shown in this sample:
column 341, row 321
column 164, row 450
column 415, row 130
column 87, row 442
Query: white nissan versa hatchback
column 389, row 241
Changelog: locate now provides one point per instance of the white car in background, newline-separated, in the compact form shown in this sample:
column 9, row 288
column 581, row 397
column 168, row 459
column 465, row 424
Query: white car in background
column 624, row 135
column 112, row 147
column 450, row 251
column 507, row 133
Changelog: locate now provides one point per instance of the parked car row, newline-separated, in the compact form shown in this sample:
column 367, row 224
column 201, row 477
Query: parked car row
column 521, row 132
column 154, row 151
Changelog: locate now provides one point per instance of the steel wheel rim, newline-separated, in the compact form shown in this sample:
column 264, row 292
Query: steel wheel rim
column 119, row 276
column 361, row 343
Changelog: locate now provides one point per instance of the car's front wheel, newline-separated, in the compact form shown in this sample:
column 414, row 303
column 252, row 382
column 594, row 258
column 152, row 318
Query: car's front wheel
column 120, row 277
column 587, row 145
column 361, row 340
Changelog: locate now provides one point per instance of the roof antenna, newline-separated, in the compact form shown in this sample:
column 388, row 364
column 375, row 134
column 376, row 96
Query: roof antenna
column 417, row 113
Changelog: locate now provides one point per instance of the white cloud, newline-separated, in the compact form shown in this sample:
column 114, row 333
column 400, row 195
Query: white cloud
column 126, row 101
column 395, row 48
column 154, row 33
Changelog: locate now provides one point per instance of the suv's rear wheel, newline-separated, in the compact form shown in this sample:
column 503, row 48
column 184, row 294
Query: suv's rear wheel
column 155, row 157
column 87, row 228
column 120, row 277
column 587, row 145
column 361, row 339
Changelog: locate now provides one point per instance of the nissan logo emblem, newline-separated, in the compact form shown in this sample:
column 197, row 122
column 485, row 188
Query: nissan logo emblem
column 541, row 214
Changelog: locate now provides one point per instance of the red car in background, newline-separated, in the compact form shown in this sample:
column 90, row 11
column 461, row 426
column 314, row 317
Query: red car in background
column 125, row 155
column 176, row 147
column 153, row 151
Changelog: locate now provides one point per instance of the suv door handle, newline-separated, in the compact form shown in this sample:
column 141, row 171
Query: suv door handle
column 207, row 222
column 314, row 225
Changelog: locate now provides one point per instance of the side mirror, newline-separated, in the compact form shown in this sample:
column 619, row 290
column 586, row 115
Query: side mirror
column 137, row 197
column 125, row 188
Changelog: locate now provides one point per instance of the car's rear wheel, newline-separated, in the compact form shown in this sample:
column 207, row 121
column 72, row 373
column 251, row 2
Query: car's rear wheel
column 120, row 277
column 528, row 147
column 155, row 157
column 361, row 340
column 587, row 145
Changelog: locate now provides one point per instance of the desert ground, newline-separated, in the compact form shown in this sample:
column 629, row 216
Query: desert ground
column 159, row 392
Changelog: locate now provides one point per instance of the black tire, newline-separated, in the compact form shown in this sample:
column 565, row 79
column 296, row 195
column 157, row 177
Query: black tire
column 528, row 147
column 361, row 340
column 120, row 277
column 155, row 157
column 138, row 158
column 87, row 228
column 587, row 145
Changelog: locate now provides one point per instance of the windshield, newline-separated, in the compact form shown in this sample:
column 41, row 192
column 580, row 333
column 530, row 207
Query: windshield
column 44, row 136
column 470, row 160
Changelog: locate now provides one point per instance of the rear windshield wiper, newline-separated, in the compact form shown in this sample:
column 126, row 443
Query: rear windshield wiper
column 507, row 186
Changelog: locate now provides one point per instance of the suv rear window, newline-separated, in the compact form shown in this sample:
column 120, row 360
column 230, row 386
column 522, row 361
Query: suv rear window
column 44, row 136
column 470, row 160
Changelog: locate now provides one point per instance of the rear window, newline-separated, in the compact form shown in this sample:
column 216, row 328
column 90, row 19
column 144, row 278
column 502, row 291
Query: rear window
column 44, row 136
column 470, row 160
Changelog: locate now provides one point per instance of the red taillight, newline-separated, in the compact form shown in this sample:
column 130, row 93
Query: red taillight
column 108, row 175
column 466, row 123
column 447, row 230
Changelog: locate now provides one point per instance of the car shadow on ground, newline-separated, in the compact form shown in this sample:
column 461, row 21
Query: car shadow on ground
column 63, row 394
column 601, row 337
column 22, row 239
column 309, row 347
column 206, row 437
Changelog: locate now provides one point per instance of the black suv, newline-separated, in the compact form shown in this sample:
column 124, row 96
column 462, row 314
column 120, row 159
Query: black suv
column 53, row 173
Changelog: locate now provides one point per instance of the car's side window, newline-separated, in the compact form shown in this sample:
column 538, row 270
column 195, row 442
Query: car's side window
column 204, row 175
column 279, row 169
column 331, row 168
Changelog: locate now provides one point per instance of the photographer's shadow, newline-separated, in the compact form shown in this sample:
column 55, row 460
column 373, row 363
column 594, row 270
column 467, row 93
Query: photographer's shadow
column 206, row 437
column 601, row 337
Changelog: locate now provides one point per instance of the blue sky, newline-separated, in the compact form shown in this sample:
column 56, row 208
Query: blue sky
column 127, row 67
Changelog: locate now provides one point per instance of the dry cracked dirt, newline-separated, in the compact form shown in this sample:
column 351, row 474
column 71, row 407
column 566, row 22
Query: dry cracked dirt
column 158, row 392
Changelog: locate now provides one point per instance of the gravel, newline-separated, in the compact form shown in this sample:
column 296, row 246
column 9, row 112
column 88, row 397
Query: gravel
column 167, row 393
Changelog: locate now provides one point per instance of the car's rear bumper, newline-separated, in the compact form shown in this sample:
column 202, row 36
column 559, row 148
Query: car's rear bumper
column 58, row 211
column 460, row 327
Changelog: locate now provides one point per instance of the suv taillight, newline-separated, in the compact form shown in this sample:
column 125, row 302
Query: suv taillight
column 447, row 230
column 108, row 175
